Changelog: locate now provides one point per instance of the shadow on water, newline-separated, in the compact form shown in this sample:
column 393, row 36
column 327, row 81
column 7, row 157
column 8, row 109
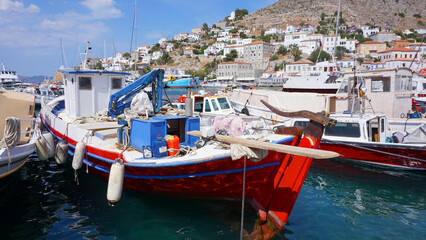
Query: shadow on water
column 348, row 201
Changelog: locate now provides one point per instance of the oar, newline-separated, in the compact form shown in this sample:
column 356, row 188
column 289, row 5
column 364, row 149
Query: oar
column 306, row 152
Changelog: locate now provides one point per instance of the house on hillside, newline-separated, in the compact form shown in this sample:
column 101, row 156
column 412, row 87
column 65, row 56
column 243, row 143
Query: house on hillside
column 399, row 44
column 384, row 37
column 189, row 51
column 370, row 48
column 367, row 31
column 394, row 53
column 254, row 53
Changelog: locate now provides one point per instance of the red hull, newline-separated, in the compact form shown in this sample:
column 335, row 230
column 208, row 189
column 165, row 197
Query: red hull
column 272, row 184
column 395, row 156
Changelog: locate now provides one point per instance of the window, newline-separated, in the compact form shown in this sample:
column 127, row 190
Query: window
column 215, row 107
column 380, row 85
column 207, row 107
column 342, row 129
column 223, row 103
column 116, row 83
column 85, row 83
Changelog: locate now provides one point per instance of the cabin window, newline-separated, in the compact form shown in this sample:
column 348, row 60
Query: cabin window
column 342, row 129
column 116, row 83
column 382, row 125
column 207, row 107
column 403, row 83
column 214, row 103
column 380, row 85
column 85, row 83
column 223, row 103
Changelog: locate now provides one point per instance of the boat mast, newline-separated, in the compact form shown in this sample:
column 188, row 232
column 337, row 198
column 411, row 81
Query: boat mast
column 64, row 59
column 86, row 55
column 136, row 2
column 337, row 29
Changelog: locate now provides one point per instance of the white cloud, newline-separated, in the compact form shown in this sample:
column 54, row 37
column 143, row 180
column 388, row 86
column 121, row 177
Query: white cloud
column 102, row 9
column 16, row 6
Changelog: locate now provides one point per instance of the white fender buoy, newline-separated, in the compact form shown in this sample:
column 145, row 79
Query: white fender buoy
column 61, row 152
column 50, row 143
column 77, row 160
column 42, row 149
column 115, row 182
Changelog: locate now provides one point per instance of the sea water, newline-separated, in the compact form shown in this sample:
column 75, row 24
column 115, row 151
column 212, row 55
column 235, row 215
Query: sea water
column 337, row 201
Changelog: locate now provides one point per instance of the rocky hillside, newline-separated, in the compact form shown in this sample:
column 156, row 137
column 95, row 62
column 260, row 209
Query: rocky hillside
column 396, row 14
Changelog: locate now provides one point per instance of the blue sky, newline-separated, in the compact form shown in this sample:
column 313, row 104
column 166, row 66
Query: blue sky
column 30, row 30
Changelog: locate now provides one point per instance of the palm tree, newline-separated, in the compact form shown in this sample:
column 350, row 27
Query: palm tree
column 295, row 52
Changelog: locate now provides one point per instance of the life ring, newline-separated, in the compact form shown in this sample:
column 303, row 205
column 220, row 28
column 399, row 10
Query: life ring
column 422, row 72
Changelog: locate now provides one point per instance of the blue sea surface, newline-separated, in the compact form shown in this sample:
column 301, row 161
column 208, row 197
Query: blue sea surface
column 337, row 201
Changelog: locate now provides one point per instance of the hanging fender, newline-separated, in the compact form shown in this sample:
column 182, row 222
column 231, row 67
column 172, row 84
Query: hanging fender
column 115, row 182
column 77, row 161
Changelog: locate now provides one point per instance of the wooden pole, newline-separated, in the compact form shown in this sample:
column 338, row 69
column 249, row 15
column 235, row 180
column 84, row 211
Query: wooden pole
column 306, row 152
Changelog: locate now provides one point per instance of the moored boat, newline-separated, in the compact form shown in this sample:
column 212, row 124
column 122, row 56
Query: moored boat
column 17, row 139
column 135, row 145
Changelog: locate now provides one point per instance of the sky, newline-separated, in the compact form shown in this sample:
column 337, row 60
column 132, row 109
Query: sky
column 31, row 30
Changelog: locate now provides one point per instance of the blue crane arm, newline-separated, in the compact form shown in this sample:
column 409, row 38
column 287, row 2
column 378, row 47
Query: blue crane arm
column 120, row 100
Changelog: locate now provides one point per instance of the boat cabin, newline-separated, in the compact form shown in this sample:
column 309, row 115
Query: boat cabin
column 355, row 128
column 207, row 103
column 389, row 91
column 87, row 91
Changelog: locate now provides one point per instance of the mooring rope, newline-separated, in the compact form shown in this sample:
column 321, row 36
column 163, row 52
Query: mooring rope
column 243, row 197
column 11, row 136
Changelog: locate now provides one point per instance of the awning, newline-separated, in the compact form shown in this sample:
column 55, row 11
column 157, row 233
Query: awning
column 245, row 79
column 225, row 78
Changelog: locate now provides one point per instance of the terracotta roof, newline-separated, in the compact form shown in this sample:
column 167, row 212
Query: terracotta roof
column 373, row 42
column 235, row 62
column 402, row 59
column 189, row 48
column 346, row 59
column 258, row 42
column 415, row 44
column 398, row 50
column 301, row 62
column 267, row 56
column 405, row 41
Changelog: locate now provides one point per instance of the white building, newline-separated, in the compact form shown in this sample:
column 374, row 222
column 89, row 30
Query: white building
column 294, row 38
column 211, row 50
column 144, row 49
column 308, row 46
column 163, row 40
column 406, row 62
column 330, row 43
column 238, row 48
column 219, row 46
column 277, row 31
column 170, row 47
column 367, row 31
column 197, row 30
column 181, row 36
column 291, row 29
column 156, row 55
column 194, row 37
column 147, row 58
column 393, row 53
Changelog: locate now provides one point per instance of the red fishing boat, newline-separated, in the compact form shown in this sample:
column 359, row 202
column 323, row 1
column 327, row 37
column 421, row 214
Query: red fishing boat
column 103, row 144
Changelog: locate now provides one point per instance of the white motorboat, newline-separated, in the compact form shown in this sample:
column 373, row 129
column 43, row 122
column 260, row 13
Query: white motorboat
column 17, row 139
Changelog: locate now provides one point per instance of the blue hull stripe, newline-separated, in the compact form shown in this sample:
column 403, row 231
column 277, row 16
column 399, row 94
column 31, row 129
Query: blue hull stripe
column 181, row 176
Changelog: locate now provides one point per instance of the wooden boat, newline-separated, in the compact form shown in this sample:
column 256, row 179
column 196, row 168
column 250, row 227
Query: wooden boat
column 16, row 130
column 271, row 185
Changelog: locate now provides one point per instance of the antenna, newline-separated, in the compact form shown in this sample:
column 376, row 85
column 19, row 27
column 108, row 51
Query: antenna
column 64, row 59
column 337, row 28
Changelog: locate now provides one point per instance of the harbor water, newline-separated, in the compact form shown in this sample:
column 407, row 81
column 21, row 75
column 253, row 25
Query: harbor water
column 337, row 201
